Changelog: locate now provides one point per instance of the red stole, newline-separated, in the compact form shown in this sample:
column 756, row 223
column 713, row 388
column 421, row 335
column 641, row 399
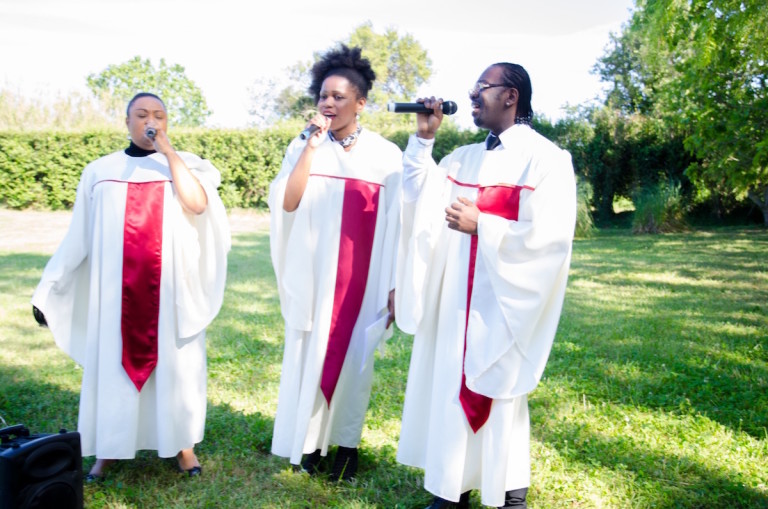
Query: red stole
column 142, row 264
column 503, row 201
column 358, row 226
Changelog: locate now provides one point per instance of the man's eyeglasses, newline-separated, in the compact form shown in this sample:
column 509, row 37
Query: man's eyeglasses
column 480, row 86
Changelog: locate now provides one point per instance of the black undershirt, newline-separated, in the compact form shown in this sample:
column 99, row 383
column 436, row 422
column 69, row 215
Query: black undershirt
column 134, row 150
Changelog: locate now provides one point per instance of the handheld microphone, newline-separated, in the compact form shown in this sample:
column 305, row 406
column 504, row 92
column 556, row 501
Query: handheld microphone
column 309, row 131
column 448, row 107
column 151, row 133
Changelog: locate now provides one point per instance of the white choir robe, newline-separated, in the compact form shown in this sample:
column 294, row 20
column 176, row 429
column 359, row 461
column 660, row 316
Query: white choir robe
column 305, row 255
column 521, row 269
column 80, row 296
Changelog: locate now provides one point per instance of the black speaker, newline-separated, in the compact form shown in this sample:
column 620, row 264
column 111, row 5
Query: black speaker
column 40, row 471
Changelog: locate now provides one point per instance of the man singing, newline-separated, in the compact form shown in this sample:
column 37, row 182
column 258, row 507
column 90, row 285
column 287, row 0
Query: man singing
column 485, row 248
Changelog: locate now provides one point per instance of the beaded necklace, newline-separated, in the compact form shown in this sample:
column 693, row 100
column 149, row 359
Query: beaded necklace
column 349, row 139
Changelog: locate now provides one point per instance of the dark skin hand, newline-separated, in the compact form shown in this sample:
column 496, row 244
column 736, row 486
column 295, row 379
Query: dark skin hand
column 462, row 216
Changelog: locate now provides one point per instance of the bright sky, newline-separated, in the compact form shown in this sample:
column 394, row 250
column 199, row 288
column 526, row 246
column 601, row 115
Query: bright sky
column 48, row 47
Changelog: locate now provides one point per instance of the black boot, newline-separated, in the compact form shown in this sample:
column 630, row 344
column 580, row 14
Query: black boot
column 441, row 503
column 344, row 464
column 515, row 499
column 311, row 462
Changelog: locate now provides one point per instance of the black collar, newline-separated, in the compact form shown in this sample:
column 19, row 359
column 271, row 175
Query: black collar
column 134, row 150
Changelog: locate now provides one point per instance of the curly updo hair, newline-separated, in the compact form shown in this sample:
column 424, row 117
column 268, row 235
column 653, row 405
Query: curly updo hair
column 346, row 62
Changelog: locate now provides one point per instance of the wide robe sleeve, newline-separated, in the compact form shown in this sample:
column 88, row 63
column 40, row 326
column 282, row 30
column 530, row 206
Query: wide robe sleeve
column 290, row 245
column 527, row 262
column 422, row 219
column 63, row 292
column 200, row 246
column 392, row 227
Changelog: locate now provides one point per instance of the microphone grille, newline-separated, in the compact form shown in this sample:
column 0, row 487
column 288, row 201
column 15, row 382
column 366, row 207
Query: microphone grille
column 449, row 107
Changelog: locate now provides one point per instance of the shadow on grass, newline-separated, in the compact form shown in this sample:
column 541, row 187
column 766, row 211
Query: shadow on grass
column 692, row 485
column 238, row 469
column 670, row 323
column 41, row 405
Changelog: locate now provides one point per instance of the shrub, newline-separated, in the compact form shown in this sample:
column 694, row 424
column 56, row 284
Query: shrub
column 41, row 169
column 659, row 209
column 585, row 224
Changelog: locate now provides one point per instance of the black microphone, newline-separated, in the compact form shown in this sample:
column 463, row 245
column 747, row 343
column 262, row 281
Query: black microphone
column 309, row 131
column 448, row 107
column 151, row 133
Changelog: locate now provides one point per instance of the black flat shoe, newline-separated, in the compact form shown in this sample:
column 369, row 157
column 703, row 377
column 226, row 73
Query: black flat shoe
column 193, row 472
column 344, row 464
column 311, row 463
column 93, row 478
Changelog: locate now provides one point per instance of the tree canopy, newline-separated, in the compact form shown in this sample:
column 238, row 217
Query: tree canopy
column 117, row 84
column 400, row 62
column 701, row 67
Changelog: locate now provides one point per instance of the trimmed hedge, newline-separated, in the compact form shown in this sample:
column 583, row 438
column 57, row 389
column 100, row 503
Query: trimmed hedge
column 41, row 169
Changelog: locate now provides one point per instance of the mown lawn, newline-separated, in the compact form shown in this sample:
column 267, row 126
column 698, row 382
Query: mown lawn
column 655, row 395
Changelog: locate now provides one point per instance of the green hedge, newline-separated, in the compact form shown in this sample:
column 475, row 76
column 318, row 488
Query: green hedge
column 41, row 169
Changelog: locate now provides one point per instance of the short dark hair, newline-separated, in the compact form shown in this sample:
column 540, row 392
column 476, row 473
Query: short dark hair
column 515, row 76
column 139, row 96
column 346, row 62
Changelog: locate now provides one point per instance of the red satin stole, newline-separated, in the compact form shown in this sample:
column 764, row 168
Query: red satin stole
column 503, row 201
column 358, row 226
column 142, row 264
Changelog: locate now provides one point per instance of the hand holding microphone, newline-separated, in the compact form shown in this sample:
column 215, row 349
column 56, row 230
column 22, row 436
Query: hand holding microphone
column 430, row 112
column 159, row 140
column 315, row 126
column 447, row 107
column 309, row 131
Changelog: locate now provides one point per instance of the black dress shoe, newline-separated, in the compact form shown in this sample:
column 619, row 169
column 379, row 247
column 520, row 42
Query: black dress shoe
column 311, row 463
column 441, row 503
column 344, row 464
column 515, row 499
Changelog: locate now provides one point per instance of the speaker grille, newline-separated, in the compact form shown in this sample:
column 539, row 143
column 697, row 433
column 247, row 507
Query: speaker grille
column 40, row 471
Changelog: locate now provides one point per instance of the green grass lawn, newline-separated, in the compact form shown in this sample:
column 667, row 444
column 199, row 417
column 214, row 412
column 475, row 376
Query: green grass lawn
column 655, row 395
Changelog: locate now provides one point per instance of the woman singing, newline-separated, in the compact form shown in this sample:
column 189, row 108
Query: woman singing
column 334, row 229
column 131, row 289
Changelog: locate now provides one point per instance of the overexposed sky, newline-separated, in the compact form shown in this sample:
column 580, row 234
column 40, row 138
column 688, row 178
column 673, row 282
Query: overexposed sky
column 49, row 47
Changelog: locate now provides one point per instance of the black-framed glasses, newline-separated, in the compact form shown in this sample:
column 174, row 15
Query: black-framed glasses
column 480, row 86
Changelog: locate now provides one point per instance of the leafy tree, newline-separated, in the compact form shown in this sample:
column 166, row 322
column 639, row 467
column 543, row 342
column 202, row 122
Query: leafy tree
column 623, row 67
column 701, row 66
column 289, row 102
column 401, row 65
column 117, row 84
column 619, row 154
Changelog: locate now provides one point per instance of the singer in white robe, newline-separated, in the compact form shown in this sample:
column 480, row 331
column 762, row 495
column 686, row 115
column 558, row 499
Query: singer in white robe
column 520, row 256
column 80, row 296
column 307, row 255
